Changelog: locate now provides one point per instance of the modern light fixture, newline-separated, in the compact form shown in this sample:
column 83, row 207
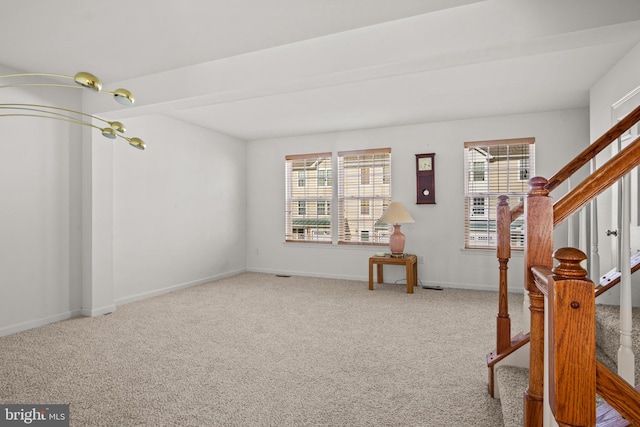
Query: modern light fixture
column 396, row 214
column 83, row 80
column 117, row 126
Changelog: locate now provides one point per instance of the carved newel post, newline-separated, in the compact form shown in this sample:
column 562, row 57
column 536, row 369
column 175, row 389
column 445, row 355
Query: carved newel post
column 538, row 211
column 572, row 341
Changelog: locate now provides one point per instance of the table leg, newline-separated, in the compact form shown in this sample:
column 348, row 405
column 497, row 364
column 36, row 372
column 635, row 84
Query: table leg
column 370, row 274
column 409, row 277
column 380, row 276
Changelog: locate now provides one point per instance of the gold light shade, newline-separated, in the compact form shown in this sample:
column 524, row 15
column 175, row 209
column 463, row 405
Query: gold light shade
column 88, row 80
column 83, row 80
column 136, row 143
column 123, row 96
column 109, row 133
column 106, row 132
column 117, row 126
column 49, row 109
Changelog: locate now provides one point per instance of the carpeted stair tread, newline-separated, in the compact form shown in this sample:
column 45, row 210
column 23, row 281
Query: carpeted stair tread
column 608, row 334
column 512, row 382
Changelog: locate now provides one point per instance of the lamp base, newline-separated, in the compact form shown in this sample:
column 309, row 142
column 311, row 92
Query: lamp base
column 396, row 242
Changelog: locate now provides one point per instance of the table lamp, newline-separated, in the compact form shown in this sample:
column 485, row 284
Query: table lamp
column 395, row 215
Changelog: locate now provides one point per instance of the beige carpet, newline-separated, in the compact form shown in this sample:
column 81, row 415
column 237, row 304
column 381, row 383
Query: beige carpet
column 261, row 350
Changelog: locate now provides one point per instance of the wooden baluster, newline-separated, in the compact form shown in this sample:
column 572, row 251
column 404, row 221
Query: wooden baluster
column 572, row 341
column 503, row 322
column 538, row 211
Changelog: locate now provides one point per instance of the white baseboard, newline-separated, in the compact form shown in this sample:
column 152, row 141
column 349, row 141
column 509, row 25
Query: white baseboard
column 20, row 327
column 156, row 292
column 87, row 312
column 308, row 274
column 8, row 330
column 446, row 285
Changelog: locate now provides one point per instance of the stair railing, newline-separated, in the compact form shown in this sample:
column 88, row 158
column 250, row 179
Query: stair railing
column 570, row 314
column 541, row 216
column 506, row 344
column 538, row 252
column 540, row 219
column 574, row 374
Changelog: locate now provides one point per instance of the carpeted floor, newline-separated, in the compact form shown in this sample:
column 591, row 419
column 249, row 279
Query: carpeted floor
column 261, row 350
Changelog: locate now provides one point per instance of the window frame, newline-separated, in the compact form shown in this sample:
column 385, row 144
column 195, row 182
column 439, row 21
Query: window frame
column 500, row 179
column 372, row 177
column 303, row 221
column 356, row 192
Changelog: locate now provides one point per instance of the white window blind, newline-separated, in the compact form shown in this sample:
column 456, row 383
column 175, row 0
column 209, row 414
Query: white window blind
column 308, row 196
column 364, row 192
column 494, row 168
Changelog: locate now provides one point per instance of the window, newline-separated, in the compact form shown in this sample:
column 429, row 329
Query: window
column 365, row 176
column 478, row 171
column 365, row 208
column 523, row 167
column 479, row 207
column 308, row 194
column 324, row 208
column 364, row 191
column 324, row 177
column 494, row 168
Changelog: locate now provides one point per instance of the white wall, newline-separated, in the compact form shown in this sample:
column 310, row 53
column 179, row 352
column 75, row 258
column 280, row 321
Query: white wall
column 178, row 208
column 618, row 82
column 39, row 213
column 622, row 79
column 87, row 223
column 438, row 231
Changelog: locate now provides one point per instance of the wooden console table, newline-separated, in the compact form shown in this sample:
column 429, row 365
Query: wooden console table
column 409, row 261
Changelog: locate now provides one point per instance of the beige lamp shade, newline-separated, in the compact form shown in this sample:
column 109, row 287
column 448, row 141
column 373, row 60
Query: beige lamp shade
column 396, row 213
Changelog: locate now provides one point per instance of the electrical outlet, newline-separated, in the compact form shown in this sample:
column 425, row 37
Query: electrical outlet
column 420, row 259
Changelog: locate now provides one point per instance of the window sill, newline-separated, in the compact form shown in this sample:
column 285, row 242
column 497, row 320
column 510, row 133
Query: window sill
column 515, row 253
column 330, row 245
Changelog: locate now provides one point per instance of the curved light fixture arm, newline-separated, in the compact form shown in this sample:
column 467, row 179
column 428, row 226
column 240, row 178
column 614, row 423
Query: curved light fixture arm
column 115, row 125
column 56, row 116
column 83, row 80
column 106, row 132
column 65, row 76
column 39, row 84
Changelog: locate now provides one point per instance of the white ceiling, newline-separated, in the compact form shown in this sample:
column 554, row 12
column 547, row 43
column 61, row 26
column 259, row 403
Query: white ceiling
column 259, row 69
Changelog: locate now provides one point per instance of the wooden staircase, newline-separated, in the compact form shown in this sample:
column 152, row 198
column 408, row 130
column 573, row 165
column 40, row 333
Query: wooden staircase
column 512, row 381
column 562, row 306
